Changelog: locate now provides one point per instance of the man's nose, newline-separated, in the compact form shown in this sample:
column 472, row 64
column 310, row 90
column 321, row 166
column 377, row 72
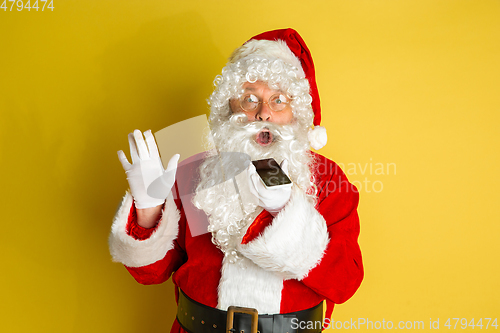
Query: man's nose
column 264, row 113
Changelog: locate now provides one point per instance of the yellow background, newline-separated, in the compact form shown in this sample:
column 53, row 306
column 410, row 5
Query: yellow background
column 414, row 83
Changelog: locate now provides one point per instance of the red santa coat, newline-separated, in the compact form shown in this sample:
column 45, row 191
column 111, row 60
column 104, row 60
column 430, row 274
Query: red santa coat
column 293, row 261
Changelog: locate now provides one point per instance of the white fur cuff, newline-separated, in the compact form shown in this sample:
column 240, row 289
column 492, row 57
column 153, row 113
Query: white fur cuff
column 136, row 253
column 295, row 241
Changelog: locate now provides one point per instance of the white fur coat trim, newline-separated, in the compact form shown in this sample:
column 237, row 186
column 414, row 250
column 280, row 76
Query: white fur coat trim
column 137, row 253
column 295, row 241
column 247, row 285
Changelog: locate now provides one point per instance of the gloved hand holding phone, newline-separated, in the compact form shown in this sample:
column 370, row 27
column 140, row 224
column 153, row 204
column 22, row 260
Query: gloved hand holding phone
column 272, row 197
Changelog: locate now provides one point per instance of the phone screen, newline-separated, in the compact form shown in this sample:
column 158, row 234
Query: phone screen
column 271, row 173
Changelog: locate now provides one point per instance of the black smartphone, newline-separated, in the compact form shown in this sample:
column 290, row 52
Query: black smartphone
column 271, row 173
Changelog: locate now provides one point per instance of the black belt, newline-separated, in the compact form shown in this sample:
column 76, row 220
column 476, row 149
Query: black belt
column 195, row 317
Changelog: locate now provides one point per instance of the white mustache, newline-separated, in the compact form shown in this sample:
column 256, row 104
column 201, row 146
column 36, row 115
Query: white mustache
column 280, row 132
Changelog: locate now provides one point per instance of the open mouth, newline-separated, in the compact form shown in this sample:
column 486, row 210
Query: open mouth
column 264, row 137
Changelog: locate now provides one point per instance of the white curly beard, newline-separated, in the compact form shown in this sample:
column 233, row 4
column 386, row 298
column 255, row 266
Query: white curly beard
column 229, row 215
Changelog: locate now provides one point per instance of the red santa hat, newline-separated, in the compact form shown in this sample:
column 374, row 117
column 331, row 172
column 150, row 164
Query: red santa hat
column 286, row 44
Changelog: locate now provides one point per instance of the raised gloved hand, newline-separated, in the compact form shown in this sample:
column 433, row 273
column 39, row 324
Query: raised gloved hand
column 145, row 168
column 271, row 199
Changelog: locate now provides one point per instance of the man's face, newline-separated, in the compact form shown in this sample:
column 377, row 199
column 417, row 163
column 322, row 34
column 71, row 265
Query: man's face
column 263, row 111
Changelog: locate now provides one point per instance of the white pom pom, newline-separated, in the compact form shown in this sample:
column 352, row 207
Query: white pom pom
column 317, row 137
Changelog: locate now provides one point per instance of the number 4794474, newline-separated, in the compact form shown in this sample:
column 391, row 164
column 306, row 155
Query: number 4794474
column 464, row 323
column 21, row 5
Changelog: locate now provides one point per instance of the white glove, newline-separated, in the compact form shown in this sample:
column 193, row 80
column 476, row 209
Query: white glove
column 271, row 199
column 145, row 168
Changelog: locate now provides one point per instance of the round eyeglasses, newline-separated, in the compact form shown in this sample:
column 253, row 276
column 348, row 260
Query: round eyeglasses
column 277, row 102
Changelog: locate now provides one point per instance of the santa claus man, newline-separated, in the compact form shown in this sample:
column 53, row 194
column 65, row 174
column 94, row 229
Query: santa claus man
column 277, row 251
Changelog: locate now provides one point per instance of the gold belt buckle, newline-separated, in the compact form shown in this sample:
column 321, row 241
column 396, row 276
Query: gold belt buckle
column 230, row 318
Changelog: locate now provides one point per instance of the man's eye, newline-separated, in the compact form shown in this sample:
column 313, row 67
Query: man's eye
column 280, row 99
column 251, row 99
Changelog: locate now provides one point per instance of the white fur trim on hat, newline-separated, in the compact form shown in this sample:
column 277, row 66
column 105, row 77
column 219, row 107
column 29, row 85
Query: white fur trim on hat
column 136, row 253
column 268, row 49
column 295, row 241
column 317, row 137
